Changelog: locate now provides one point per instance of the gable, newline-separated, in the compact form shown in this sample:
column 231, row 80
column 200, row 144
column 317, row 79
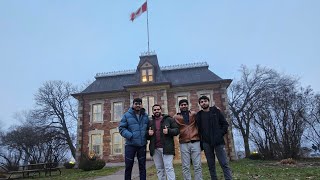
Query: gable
column 147, row 65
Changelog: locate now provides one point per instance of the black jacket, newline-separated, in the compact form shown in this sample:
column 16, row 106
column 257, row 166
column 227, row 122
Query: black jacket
column 218, row 126
column 166, row 139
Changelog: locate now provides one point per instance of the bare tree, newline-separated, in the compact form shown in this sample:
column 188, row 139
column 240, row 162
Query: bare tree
column 24, row 139
column 245, row 98
column 56, row 109
column 32, row 144
column 9, row 158
column 313, row 132
column 279, row 124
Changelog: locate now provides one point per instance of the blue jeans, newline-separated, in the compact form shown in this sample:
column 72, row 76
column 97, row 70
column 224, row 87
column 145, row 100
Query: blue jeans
column 219, row 151
column 130, row 153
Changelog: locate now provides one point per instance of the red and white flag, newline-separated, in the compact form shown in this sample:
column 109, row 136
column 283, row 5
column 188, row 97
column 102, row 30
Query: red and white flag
column 141, row 10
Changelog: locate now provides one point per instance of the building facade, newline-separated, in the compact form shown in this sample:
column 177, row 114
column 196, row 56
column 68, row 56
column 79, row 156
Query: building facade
column 102, row 104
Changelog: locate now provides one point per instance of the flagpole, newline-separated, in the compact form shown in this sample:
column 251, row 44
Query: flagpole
column 148, row 25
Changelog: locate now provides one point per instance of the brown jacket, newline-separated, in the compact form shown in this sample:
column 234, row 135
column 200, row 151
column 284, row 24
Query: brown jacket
column 188, row 132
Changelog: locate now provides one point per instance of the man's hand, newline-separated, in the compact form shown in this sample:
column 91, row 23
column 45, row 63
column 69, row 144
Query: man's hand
column 165, row 130
column 150, row 132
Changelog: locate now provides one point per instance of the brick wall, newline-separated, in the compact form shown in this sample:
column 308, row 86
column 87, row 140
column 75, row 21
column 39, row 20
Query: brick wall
column 165, row 97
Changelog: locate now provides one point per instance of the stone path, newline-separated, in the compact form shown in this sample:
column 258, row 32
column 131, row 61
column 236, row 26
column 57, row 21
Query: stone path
column 120, row 174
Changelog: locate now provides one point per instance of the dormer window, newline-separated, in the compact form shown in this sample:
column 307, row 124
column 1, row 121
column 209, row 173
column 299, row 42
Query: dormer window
column 147, row 75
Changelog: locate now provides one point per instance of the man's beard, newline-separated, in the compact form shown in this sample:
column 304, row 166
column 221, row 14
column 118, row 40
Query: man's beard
column 137, row 109
column 184, row 109
column 205, row 106
column 157, row 115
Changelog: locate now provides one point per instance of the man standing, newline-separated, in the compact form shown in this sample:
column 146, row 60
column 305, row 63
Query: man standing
column 189, row 141
column 162, row 129
column 212, row 127
column 133, row 127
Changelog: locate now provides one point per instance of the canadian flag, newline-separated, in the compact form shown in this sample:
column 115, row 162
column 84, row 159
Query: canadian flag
column 141, row 10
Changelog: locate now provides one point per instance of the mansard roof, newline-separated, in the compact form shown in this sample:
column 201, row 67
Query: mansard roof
column 176, row 75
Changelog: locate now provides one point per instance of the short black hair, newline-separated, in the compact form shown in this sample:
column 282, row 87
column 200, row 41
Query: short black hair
column 204, row 98
column 137, row 100
column 183, row 101
column 156, row 105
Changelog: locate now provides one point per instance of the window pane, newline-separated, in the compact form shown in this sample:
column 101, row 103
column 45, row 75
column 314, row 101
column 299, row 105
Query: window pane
column 117, row 111
column 96, row 139
column 96, row 143
column 144, row 78
column 150, row 78
column 117, row 143
column 145, row 103
column 117, row 149
column 151, row 103
column 97, row 117
column 144, row 75
column 150, row 72
column 116, row 138
column 96, row 149
column 148, row 102
column 96, row 112
column 97, row 108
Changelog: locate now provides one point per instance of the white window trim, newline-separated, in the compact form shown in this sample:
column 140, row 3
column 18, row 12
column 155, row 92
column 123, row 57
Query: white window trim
column 211, row 102
column 187, row 94
column 101, row 133
column 112, row 131
column 102, row 111
column 122, row 100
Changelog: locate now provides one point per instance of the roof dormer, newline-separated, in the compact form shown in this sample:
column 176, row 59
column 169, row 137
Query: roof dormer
column 147, row 72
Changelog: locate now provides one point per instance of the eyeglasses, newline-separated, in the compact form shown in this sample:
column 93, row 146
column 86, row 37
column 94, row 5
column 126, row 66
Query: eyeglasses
column 137, row 103
column 156, row 109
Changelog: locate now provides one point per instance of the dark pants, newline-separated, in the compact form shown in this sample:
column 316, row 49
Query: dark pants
column 220, row 152
column 130, row 153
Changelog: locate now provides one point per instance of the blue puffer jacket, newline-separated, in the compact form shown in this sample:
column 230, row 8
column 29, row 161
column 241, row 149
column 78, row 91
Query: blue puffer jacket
column 134, row 129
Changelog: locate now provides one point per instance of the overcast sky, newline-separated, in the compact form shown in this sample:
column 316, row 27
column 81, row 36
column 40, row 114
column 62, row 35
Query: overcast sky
column 72, row 40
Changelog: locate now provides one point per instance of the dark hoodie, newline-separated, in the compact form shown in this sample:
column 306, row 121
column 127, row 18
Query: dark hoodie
column 217, row 127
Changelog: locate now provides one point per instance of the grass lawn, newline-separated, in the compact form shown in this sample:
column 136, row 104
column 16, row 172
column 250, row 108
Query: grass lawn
column 256, row 169
column 76, row 174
